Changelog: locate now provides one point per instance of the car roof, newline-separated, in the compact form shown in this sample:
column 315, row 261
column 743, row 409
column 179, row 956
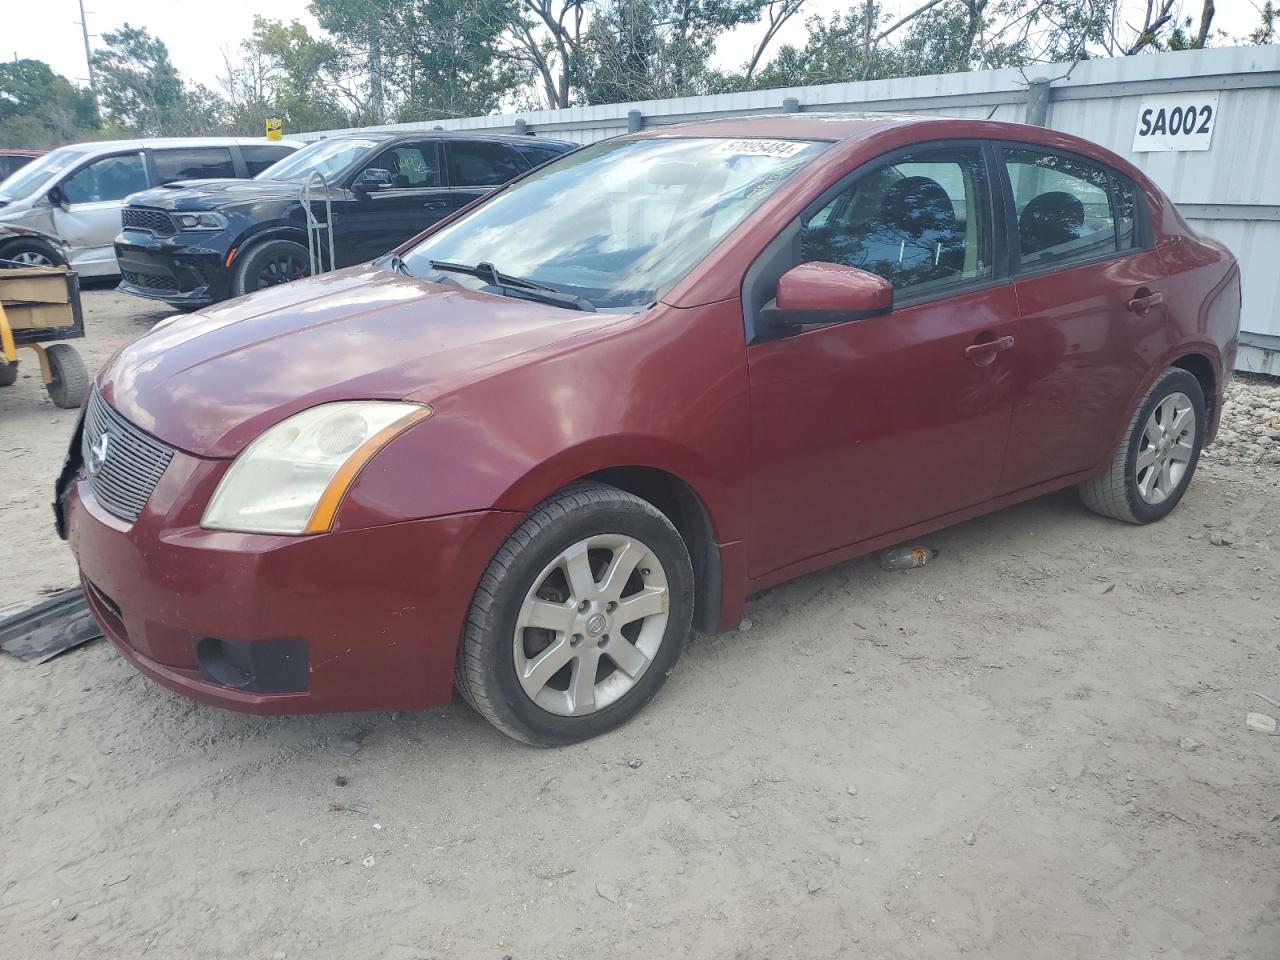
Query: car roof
column 106, row 146
column 384, row 135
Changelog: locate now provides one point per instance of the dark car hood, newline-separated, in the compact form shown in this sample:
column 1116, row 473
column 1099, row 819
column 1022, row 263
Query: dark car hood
column 212, row 382
column 210, row 194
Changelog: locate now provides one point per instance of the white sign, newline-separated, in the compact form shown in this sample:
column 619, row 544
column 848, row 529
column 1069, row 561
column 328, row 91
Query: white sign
column 761, row 148
column 1176, row 121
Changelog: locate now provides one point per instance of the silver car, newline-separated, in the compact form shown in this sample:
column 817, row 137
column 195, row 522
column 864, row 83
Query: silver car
column 65, row 206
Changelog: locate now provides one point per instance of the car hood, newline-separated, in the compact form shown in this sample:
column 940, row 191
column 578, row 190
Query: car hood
column 211, row 382
column 210, row 194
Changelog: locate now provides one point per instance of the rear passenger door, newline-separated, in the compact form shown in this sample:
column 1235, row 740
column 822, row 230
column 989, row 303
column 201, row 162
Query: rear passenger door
column 1089, row 287
column 369, row 222
column 477, row 166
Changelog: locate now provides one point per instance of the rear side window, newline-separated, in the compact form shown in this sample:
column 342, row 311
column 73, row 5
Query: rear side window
column 482, row 163
column 539, row 153
column 193, row 163
column 1064, row 210
column 923, row 222
column 259, row 156
column 111, row 178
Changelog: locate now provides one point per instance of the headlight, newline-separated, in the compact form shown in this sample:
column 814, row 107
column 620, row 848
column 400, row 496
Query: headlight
column 200, row 221
column 292, row 478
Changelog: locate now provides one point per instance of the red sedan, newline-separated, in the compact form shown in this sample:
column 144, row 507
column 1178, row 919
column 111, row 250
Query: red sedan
column 535, row 447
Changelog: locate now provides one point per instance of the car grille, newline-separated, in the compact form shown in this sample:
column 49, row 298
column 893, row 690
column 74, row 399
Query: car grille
column 149, row 281
column 123, row 464
column 140, row 218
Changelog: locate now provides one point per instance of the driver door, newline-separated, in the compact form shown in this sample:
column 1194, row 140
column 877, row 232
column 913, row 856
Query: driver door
column 865, row 427
column 368, row 223
column 88, row 218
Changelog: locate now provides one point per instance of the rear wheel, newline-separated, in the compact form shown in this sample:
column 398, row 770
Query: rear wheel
column 70, row 381
column 270, row 264
column 578, row 619
column 1153, row 467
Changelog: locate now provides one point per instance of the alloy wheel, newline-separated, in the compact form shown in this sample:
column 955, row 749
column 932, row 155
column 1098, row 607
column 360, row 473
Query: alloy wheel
column 282, row 269
column 591, row 625
column 1166, row 447
column 33, row 258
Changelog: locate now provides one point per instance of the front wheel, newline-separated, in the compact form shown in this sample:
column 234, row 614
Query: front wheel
column 1153, row 467
column 578, row 619
column 31, row 252
column 269, row 264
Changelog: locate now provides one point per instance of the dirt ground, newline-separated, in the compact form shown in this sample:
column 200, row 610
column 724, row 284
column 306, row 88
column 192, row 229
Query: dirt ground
column 1033, row 748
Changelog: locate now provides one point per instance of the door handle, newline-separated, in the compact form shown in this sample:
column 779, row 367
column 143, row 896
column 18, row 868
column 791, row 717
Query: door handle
column 983, row 353
column 1144, row 300
column 435, row 205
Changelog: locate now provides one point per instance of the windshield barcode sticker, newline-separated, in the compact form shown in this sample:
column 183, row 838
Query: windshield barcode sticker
column 759, row 148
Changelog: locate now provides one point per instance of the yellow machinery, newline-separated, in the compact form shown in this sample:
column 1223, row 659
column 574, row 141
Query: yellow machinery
column 39, row 305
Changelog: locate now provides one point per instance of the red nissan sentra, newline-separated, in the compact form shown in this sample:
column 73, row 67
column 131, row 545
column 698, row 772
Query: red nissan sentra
column 531, row 450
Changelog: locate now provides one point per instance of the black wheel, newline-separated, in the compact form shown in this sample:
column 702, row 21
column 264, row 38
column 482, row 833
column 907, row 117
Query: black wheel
column 31, row 252
column 1151, row 471
column 269, row 264
column 9, row 374
column 70, row 381
column 578, row 619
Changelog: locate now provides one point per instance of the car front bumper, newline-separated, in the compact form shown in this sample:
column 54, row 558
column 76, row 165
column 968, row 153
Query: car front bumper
column 173, row 270
column 368, row 619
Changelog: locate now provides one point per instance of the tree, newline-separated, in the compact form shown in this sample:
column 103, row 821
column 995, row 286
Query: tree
column 432, row 58
column 141, row 91
column 40, row 109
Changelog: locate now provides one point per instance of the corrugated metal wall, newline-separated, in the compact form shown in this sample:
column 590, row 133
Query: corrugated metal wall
column 1231, row 191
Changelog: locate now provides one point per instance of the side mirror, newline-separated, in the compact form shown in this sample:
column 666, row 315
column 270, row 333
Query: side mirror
column 374, row 178
column 57, row 197
column 827, row 293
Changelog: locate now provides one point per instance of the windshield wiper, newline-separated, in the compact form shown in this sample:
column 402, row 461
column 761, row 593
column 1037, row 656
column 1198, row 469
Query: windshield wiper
column 529, row 289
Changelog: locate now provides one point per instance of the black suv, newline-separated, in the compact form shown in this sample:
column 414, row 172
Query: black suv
column 193, row 244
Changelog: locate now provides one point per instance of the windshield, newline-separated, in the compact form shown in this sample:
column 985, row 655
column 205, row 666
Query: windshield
column 27, row 180
column 617, row 223
column 329, row 157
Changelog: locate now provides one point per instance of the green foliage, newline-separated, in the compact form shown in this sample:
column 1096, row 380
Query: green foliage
column 40, row 109
column 439, row 58
column 140, row 90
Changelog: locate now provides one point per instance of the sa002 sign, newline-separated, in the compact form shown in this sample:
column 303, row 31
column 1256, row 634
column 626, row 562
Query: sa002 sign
column 1176, row 121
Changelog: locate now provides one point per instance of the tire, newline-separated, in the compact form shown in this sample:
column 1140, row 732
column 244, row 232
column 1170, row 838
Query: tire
column 269, row 264
column 603, row 529
column 1145, row 481
column 32, row 253
column 9, row 374
column 70, row 383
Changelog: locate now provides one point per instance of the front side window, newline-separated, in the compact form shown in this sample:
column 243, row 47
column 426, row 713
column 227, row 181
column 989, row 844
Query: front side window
column 1063, row 208
column 193, row 163
column 923, row 222
column 618, row 222
column 111, row 178
column 482, row 163
column 410, row 165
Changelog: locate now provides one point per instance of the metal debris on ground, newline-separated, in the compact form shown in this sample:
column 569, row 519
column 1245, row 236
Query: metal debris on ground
column 39, row 631
column 906, row 558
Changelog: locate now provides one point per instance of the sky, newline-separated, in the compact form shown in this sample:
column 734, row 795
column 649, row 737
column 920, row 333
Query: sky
column 49, row 30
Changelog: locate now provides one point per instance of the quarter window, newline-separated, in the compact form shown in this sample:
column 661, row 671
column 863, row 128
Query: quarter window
column 111, row 178
column 923, row 222
column 1063, row 209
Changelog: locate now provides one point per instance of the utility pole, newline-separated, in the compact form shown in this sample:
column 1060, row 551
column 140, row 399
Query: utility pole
column 375, row 66
column 88, row 57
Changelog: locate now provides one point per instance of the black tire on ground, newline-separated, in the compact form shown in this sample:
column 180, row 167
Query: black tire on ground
column 9, row 374
column 1115, row 493
column 486, row 669
column 269, row 263
column 32, row 252
column 70, row 383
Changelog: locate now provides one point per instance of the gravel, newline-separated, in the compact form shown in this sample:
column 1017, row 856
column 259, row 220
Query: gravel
column 1250, row 430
